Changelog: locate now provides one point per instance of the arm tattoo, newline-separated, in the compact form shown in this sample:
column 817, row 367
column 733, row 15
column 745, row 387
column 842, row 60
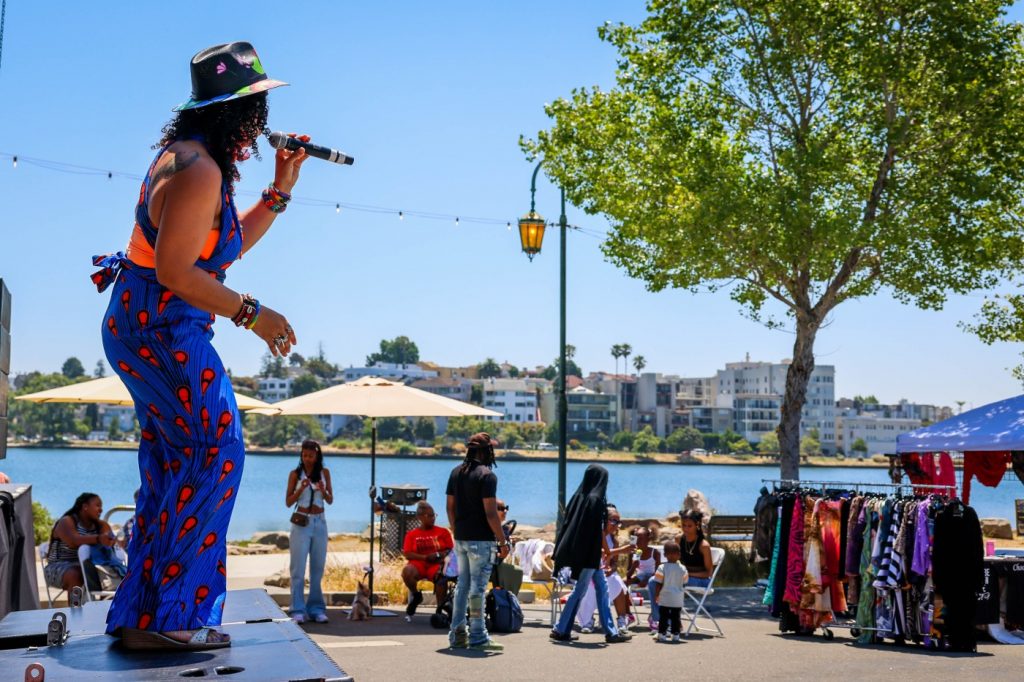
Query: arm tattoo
column 178, row 163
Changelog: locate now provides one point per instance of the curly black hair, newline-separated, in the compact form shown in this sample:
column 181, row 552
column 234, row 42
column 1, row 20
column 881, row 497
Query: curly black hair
column 227, row 127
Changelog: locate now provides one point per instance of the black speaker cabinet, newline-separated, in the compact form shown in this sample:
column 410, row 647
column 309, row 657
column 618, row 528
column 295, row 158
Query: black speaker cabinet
column 403, row 495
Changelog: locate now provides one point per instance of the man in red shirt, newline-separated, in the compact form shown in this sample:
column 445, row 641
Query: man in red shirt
column 426, row 548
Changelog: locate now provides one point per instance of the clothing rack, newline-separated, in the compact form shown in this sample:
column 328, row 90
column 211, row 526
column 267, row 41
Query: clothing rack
column 856, row 487
column 847, row 485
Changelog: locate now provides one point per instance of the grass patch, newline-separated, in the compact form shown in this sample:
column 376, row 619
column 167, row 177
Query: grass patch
column 387, row 578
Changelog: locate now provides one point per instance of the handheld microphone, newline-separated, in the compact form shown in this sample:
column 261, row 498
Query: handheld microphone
column 279, row 140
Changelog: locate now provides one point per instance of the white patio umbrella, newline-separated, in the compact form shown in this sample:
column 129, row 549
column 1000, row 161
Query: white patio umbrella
column 112, row 391
column 374, row 397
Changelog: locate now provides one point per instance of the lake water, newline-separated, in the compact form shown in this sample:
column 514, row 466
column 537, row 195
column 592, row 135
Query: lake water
column 530, row 488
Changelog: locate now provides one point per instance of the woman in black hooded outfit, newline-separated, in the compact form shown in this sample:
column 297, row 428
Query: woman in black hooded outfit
column 579, row 546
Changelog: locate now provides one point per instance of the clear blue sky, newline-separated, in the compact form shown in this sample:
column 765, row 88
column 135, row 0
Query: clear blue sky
column 431, row 99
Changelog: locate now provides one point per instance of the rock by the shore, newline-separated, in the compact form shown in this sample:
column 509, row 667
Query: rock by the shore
column 280, row 579
column 255, row 548
column 997, row 528
column 278, row 538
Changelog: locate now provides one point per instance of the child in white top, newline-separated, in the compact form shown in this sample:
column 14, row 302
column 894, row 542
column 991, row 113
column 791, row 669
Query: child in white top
column 671, row 579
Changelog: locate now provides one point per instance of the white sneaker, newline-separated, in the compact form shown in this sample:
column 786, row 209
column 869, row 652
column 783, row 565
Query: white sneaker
column 322, row 618
column 675, row 638
column 299, row 618
column 408, row 618
column 663, row 638
column 587, row 629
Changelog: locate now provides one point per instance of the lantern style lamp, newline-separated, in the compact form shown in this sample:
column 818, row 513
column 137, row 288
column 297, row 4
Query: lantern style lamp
column 531, row 233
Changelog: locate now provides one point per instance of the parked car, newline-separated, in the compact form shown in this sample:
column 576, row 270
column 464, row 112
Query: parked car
column 698, row 451
column 546, row 446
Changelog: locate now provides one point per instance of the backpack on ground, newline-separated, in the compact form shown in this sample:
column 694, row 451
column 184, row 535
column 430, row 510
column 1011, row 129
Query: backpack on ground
column 503, row 611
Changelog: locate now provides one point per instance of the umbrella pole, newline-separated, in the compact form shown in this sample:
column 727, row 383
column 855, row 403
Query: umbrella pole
column 373, row 494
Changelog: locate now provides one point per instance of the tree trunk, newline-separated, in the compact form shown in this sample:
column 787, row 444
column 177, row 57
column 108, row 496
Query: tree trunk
column 797, row 376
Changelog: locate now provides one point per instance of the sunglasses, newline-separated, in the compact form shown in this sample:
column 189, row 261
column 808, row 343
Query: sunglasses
column 615, row 522
column 504, row 508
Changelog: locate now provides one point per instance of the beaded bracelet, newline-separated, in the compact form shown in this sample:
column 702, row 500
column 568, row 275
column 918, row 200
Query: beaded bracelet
column 248, row 313
column 275, row 200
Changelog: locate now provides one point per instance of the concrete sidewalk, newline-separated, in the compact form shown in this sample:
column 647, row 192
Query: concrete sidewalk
column 244, row 572
column 753, row 649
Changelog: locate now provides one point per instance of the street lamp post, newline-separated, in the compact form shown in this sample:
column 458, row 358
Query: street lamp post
column 531, row 236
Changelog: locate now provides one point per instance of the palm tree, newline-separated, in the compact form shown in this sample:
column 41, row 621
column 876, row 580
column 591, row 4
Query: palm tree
column 959, row 405
column 639, row 362
column 616, row 353
column 626, row 351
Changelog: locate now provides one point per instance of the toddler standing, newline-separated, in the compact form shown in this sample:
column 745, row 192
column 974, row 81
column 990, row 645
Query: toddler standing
column 671, row 579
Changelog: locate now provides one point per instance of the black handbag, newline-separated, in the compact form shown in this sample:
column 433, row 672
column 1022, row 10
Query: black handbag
column 299, row 518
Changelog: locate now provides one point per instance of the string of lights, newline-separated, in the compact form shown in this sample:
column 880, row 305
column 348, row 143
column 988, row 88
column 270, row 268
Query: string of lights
column 401, row 213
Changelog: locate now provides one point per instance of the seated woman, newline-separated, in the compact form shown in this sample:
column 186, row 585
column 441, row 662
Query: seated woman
column 643, row 565
column 425, row 548
column 80, row 525
column 696, row 550
column 617, row 592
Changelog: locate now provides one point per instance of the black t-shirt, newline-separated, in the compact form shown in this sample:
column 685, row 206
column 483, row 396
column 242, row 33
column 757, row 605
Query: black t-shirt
column 470, row 488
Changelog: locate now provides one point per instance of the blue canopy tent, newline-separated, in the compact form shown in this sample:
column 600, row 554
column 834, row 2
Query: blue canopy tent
column 996, row 427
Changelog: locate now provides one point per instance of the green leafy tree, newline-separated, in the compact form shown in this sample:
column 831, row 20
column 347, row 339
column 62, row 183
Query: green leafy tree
column 114, row 432
column 859, row 446
column 488, row 368
column 273, row 366
column 741, row 446
column 48, row 421
column 623, row 440
column 100, row 371
column 279, row 432
column 305, row 383
column 513, row 372
column 296, row 360
column 399, row 351
column 42, row 523
column 461, row 428
column 810, row 446
column 390, row 428
column 769, row 443
column 551, row 371
column 712, row 441
column 424, row 429
column 509, row 436
column 646, row 441
column 476, row 394
column 683, row 439
column 531, row 432
column 319, row 366
column 72, row 368
column 804, row 153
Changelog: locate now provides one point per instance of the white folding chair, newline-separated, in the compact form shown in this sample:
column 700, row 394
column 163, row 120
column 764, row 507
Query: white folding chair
column 85, row 555
column 699, row 595
column 44, row 549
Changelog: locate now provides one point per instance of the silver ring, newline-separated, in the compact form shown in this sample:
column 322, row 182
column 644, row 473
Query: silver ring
column 280, row 340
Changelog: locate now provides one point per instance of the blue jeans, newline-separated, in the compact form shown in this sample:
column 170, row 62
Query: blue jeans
column 698, row 582
column 572, row 604
column 651, row 583
column 308, row 541
column 475, row 557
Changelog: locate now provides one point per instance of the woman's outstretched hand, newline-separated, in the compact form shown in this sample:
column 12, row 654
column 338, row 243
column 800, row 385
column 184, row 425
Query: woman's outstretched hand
column 288, row 163
column 273, row 328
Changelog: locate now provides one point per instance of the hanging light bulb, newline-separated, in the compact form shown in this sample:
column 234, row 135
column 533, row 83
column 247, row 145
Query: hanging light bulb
column 15, row 161
column 401, row 216
column 337, row 208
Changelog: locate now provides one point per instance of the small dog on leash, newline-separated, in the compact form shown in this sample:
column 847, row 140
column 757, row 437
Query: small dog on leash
column 361, row 603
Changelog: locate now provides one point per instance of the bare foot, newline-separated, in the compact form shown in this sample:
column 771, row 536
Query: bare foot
column 185, row 636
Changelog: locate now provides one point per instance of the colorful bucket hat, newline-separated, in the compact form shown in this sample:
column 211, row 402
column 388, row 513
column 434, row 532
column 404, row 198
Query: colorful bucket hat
column 225, row 72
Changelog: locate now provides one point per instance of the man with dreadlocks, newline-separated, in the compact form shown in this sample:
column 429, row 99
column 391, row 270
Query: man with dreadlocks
column 479, row 539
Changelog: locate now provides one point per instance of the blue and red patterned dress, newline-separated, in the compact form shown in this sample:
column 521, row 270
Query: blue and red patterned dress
column 191, row 451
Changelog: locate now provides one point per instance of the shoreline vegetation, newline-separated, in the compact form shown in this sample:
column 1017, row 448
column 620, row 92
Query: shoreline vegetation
column 524, row 455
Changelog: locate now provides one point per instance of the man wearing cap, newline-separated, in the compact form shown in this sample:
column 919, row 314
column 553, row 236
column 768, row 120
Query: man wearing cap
column 479, row 540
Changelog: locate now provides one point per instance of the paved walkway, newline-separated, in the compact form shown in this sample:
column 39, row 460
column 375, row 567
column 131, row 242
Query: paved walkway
column 753, row 649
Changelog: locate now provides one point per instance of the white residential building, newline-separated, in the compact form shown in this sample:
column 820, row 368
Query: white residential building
column 755, row 390
column 878, row 433
column 516, row 400
column 386, row 370
column 273, row 389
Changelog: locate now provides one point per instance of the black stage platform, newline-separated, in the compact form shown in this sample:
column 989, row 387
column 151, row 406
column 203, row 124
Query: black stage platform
column 265, row 645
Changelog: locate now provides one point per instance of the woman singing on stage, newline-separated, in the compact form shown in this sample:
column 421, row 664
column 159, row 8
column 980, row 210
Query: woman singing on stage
column 167, row 291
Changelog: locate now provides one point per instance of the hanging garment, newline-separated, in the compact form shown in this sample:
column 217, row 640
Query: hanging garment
column 866, row 598
column 989, row 467
column 765, row 512
column 939, row 467
column 957, row 563
column 769, row 592
column 911, row 463
column 795, row 559
column 815, row 600
column 191, row 451
column 855, row 548
column 1017, row 461
column 831, row 515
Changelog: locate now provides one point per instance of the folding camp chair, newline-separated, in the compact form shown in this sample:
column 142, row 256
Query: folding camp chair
column 93, row 589
column 43, row 551
column 697, row 596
